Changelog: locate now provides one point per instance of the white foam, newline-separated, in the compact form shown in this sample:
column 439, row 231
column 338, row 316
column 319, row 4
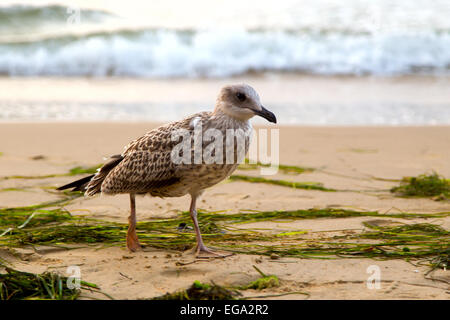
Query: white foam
column 222, row 53
column 225, row 38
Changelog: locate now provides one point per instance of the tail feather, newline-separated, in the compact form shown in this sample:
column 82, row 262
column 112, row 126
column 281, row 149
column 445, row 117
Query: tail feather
column 95, row 185
column 92, row 184
column 78, row 185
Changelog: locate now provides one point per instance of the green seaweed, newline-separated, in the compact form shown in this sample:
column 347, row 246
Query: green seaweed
column 423, row 241
column 423, row 186
column 48, row 223
column 35, row 218
column 266, row 281
column 209, row 227
column 245, row 217
column 415, row 230
column 262, row 283
column 84, row 170
column 15, row 285
column 205, row 291
column 440, row 261
column 45, row 176
column 64, row 234
column 290, row 169
column 201, row 291
column 284, row 183
column 69, row 196
column 72, row 172
column 58, row 226
column 14, row 189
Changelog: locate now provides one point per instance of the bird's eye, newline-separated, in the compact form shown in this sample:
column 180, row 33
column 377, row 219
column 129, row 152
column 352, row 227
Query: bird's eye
column 241, row 96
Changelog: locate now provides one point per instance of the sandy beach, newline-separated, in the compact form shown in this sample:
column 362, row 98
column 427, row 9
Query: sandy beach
column 357, row 91
column 359, row 162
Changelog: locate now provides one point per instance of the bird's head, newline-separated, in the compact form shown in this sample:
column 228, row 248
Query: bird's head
column 242, row 102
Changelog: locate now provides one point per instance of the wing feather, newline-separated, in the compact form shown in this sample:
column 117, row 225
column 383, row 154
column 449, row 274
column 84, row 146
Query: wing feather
column 147, row 163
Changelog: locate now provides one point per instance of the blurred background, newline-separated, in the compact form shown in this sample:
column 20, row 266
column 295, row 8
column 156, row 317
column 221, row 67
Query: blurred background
column 316, row 62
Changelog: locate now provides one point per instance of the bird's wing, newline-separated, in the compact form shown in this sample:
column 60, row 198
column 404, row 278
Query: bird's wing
column 147, row 162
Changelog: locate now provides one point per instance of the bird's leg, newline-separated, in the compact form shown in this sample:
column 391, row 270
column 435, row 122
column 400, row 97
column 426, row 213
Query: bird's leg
column 132, row 239
column 201, row 251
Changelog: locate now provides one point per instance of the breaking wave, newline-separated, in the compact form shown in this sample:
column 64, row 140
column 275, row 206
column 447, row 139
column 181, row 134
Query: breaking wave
column 166, row 52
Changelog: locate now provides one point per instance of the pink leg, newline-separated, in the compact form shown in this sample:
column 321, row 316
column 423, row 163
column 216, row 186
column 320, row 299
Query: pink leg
column 201, row 251
column 132, row 239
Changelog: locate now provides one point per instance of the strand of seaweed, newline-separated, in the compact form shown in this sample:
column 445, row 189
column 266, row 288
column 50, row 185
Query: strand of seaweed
column 72, row 172
column 41, row 225
column 15, row 285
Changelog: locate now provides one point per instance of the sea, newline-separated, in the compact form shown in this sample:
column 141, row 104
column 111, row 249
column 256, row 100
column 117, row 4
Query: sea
column 210, row 40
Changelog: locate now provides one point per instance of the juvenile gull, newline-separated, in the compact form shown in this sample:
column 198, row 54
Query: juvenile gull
column 148, row 164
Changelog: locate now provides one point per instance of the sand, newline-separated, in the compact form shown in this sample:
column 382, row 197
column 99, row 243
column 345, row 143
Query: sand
column 349, row 158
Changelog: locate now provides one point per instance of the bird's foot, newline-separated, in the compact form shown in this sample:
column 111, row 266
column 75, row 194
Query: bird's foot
column 202, row 252
column 133, row 243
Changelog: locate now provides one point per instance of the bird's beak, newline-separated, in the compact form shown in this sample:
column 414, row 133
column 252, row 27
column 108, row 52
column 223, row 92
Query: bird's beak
column 266, row 114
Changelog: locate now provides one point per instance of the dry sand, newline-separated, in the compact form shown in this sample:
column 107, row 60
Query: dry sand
column 348, row 157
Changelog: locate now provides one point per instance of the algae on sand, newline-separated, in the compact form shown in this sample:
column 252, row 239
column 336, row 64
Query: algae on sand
column 289, row 169
column 266, row 281
column 423, row 186
column 38, row 217
column 201, row 291
column 204, row 291
column 72, row 172
column 83, row 170
column 284, row 183
column 39, row 225
column 56, row 227
column 16, row 285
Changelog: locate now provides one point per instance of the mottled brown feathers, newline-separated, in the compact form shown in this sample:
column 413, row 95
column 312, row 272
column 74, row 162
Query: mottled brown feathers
column 145, row 166
column 95, row 184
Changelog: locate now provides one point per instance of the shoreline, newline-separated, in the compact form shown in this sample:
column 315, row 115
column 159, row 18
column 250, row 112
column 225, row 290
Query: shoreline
column 306, row 101
column 154, row 124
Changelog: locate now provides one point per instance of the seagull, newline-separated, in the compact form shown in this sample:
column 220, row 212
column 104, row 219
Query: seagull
column 160, row 164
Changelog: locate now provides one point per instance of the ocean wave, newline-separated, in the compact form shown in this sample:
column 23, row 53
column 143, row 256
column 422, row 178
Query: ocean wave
column 221, row 53
column 104, row 45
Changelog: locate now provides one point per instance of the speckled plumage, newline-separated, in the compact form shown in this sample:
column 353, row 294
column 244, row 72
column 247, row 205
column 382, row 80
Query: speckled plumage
column 147, row 168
